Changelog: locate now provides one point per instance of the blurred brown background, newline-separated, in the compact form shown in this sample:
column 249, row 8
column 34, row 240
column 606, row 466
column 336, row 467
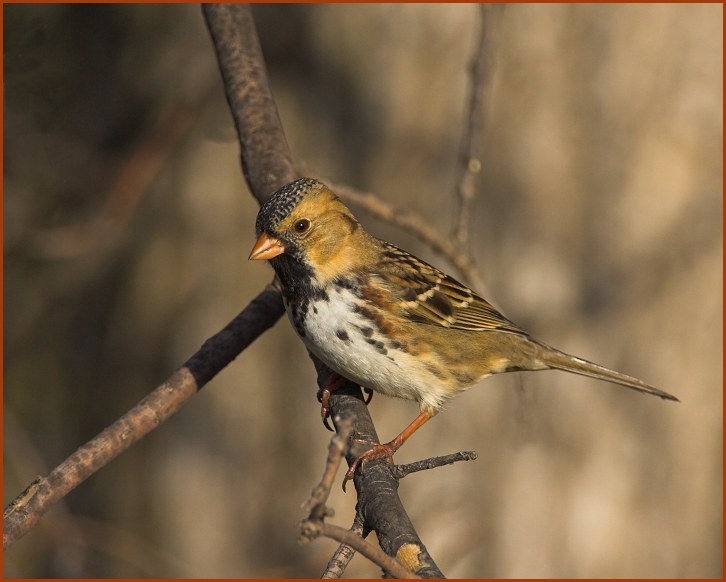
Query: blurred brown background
column 598, row 228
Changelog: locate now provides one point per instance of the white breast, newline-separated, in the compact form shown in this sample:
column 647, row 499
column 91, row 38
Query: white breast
column 351, row 345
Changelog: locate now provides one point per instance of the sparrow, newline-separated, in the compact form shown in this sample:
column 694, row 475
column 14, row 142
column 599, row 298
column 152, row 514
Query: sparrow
column 387, row 320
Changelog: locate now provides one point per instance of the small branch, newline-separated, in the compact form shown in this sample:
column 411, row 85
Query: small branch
column 416, row 225
column 470, row 158
column 336, row 449
column 400, row 471
column 127, row 191
column 376, row 555
column 261, row 314
column 378, row 500
column 314, row 525
column 344, row 554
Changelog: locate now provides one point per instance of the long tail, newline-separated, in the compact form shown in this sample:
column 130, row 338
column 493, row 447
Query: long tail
column 561, row 361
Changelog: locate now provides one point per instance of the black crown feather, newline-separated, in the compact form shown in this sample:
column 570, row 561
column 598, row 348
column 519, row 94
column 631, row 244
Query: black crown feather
column 282, row 202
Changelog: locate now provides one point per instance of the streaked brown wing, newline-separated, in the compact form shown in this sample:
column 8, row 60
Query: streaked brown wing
column 426, row 295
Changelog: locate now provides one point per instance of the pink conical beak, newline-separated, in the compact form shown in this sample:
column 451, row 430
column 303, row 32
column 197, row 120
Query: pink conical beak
column 266, row 248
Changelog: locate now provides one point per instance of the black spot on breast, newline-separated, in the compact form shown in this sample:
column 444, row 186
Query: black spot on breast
column 380, row 348
column 381, row 322
column 366, row 331
column 394, row 345
column 342, row 335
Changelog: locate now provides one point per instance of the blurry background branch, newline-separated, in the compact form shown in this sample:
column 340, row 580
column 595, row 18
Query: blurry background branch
column 125, row 193
column 454, row 248
column 470, row 155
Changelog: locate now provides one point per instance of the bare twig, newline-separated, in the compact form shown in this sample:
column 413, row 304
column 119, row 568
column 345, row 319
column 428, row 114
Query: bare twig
column 316, row 502
column 314, row 525
column 67, row 528
column 149, row 413
column 127, row 191
column 416, row 225
column 314, row 529
column 470, row 157
column 344, row 554
column 400, row 471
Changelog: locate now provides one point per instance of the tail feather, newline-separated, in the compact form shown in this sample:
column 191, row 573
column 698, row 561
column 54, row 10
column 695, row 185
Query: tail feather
column 561, row 361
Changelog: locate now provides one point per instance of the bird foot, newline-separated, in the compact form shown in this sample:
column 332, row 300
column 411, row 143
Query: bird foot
column 378, row 451
column 324, row 398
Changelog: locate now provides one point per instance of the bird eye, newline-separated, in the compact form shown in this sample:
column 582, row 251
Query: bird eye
column 302, row 225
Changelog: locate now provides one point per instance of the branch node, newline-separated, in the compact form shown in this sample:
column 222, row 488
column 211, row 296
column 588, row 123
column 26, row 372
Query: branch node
column 310, row 529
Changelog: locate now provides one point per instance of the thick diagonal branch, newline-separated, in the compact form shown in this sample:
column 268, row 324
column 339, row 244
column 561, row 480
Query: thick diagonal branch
column 266, row 159
column 218, row 351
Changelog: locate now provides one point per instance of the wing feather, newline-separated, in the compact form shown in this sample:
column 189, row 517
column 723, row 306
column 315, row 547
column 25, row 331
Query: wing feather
column 426, row 295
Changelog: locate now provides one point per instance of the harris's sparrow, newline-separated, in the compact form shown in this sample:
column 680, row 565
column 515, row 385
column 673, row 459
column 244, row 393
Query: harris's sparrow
column 386, row 320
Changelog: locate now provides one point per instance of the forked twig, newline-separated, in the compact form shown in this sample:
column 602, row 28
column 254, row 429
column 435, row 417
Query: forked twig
column 392, row 566
column 344, row 554
column 336, row 449
column 314, row 525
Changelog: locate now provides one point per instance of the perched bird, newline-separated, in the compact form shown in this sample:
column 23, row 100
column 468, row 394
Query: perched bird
column 386, row 320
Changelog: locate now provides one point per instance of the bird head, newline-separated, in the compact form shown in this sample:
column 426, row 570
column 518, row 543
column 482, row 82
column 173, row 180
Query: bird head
column 304, row 227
